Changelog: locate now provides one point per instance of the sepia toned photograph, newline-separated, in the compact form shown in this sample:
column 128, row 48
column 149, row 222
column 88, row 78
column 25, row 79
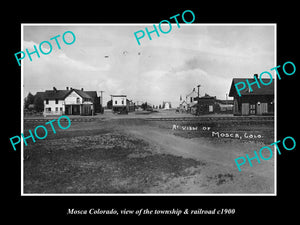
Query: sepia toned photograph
column 181, row 113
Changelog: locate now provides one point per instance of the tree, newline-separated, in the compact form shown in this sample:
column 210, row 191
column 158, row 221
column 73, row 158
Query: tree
column 38, row 103
column 109, row 104
column 28, row 100
column 144, row 106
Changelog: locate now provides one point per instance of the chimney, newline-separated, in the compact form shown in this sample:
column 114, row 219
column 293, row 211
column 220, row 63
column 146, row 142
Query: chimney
column 67, row 88
column 54, row 89
column 81, row 89
column 255, row 76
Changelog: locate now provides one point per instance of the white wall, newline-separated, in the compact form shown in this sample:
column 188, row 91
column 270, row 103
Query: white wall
column 167, row 105
column 193, row 95
column 72, row 98
column 56, row 109
column 117, row 101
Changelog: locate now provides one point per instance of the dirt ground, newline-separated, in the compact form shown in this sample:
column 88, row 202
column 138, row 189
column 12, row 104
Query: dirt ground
column 124, row 155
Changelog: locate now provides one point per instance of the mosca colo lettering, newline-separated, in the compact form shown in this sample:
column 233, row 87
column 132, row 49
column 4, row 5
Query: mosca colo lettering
column 166, row 30
column 48, row 44
column 35, row 132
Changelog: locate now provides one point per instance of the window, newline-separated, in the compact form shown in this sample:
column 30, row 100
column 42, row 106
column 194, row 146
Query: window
column 77, row 100
column 48, row 109
column 56, row 101
column 116, row 102
column 122, row 102
column 47, row 101
column 191, row 99
column 252, row 109
column 60, row 109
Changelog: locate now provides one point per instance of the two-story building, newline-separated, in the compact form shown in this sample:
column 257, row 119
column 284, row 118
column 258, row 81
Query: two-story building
column 190, row 99
column 69, row 102
column 119, row 103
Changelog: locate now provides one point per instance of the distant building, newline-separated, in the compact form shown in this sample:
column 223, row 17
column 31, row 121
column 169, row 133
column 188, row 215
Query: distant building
column 183, row 106
column 190, row 99
column 130, row 105
column 260, row 101
column 69, row 102
column 205, row 105
column 120, row 104
column 166, row 105
column 226, row 106
column 210, row 104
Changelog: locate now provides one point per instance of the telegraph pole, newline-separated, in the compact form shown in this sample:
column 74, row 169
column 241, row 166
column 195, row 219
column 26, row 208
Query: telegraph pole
column 198, row 102
column 101, row 102
column 226, row 98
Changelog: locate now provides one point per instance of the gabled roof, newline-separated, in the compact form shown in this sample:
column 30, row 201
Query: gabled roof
column 62, row 94
column 92, row 94
column 54, row 94
column 82, row 94
column 263, row 90
column 192, row 92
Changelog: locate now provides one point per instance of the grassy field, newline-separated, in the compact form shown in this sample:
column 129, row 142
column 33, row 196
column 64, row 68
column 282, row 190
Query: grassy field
column 123, row 155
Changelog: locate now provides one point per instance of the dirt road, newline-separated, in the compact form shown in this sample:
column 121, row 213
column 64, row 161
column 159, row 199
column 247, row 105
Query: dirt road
column 138, row 156
column 217, row 163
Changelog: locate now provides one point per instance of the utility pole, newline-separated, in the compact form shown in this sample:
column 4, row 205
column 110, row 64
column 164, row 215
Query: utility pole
column 226, row 98
column 198, row 86
column 198, row 102
column 101, row 102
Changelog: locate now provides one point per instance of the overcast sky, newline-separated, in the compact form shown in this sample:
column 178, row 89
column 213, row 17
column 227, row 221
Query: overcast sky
column 108, row 58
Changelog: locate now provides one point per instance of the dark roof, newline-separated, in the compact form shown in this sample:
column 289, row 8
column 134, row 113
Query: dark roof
column 225, row 102
column 92, row 94
column 119, row 95
column 55, row 94
column 62, row 94
column 263, row 90
column 205, row 97
column 83, row 94
column 40, row 94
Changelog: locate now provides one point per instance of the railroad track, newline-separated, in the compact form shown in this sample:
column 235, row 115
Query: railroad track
column 72, row 119
column 194, row 119
column 263, row 118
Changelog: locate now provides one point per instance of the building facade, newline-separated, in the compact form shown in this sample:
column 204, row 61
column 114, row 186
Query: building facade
column 166, row 105
column 119, row 103
column 190, row 100
column 259, row 101
column 68, row 102
column 210, row 104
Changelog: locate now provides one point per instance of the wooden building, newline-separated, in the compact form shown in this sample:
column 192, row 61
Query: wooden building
column 120, row 104
column 166, row 105
column 69, row 102
column 210, row 104
column 259, row 101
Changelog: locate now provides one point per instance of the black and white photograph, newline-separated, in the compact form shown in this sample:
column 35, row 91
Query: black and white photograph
column 148, row 109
